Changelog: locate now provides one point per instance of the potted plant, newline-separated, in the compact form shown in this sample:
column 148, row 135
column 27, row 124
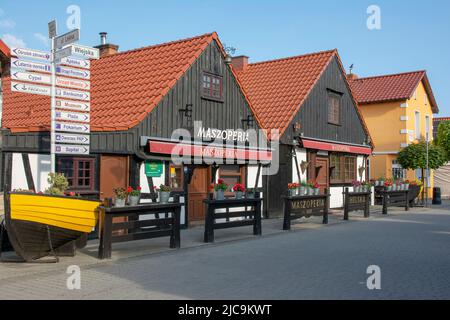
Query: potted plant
column 356, row 186
column 310, row 188
column 120, row 197
column 58, row 184
column 367, row 186
column 406, row 184
column 293, row 188
column 316, row 189
column 388, row 184
column 251, row 192
column 381, row 181
column 220, row 187
column 239, row 190
column 134, row 196
column 164, row 193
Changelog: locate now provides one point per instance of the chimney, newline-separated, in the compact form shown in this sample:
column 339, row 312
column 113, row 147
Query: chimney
column 352, row 76
column 106, row 49
column 240, row 63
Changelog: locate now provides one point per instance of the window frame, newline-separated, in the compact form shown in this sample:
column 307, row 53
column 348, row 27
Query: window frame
column 417, row 126
column 210, row 95
column 342, row 168
column 75, row 187
column 240, row 175
column 336, row 96
column 181, row 184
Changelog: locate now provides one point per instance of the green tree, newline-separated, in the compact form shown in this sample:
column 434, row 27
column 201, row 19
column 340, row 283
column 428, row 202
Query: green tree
column 58, row 184
column 443, row 137
column 415, row 157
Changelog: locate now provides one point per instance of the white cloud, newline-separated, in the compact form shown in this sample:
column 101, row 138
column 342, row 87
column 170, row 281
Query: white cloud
column 7, row 24
column 43, row 39
column 13, row 41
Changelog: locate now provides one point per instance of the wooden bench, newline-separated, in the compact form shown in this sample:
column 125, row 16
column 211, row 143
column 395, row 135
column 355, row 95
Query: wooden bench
column 251, row 215
column 305, row 206
column 355, row 201
column 168, row 226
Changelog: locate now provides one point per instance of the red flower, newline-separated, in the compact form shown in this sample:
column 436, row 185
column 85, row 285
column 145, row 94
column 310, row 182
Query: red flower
column 138, row 188
column 220, row 181
column 129, row 189
column 72, row 194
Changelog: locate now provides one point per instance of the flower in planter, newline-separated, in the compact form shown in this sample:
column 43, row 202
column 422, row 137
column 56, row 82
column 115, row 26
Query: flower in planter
column 120, row 193
column 238, row 187
column 134, row 192
column 220, row 185
column 315, row 185
column 293, row 186
column 164, row 188
column 356, row 183
column 388, row 183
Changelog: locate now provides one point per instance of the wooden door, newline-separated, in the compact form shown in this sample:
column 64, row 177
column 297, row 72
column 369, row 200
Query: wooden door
column 113, row 174
column 322, row 172
column 198, row 191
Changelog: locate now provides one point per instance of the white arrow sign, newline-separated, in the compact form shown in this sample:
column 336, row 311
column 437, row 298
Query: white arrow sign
column 63, row 53
column 85, row 64
column 73, row 83
column 86, row 52
column 71, row 72
column 73, row 94
column 27, row 65
column 31, row 54
column 72, row 127
column 72, row 116
column 70, row 149
column 73, row 105
column 72, row 138
column 31, row 77
column 30, row 88
column 68, row 38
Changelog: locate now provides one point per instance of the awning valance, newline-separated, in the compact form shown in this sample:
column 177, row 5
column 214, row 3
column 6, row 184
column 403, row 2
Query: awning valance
column 336, row 147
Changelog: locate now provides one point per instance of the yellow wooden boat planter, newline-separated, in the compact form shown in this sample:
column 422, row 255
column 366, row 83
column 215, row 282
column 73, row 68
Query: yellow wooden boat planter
column 37, row 225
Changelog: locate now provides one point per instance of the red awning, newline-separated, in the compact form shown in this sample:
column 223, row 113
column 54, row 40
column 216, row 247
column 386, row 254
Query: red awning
column 209, row 151
column 336, row 147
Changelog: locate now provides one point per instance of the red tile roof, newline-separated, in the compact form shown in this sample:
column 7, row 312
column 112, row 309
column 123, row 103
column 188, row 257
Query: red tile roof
column 125, row 87
column 391, row 88
column 441, row 119
column 278, row 88
column 4, row 49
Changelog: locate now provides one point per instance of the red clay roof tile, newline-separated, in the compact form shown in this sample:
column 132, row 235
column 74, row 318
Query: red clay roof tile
column 125, row 87
column 391, row 88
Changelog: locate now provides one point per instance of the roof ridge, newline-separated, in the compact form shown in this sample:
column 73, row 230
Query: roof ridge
column 293, row 57
column 390, row 75
column 211, row 34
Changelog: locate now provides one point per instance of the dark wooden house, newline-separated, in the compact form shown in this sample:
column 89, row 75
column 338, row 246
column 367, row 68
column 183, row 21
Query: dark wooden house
column 139, row 98
column 322, row 134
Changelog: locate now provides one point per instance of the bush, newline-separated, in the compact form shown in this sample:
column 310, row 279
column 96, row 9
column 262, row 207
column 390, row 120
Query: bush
column 58, row 184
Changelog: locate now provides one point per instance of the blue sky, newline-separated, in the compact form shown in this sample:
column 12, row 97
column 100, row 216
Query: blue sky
column 414, row 34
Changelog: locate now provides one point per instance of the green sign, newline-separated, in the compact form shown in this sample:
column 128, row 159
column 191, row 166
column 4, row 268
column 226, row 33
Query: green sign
column 153, row 169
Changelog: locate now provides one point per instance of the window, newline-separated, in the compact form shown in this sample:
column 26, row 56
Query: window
column 342, row 168
column 334, row 108
column 397, row 171
column 417, row 124
column 426, row 99
column 212, row 86
column 79, row 173
column 232, row 174
column 415, row 95
column 176, row 178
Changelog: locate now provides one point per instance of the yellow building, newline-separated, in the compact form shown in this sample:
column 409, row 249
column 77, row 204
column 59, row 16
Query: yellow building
column 398, row 109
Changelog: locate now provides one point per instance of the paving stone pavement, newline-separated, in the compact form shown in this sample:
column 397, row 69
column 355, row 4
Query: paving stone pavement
column 309, row 262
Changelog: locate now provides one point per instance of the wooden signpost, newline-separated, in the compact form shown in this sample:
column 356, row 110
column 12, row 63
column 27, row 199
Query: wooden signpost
column 354, row 201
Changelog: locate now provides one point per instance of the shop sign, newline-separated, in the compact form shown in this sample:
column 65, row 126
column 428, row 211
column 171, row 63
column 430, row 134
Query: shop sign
column 71, row 149
column 153, row 169
column 308, row 204
column 229, row 134
column 355, row 200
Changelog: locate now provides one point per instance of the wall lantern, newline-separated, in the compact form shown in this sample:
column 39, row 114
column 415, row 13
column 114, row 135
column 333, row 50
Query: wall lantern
column 250, row 121
column 187, row 113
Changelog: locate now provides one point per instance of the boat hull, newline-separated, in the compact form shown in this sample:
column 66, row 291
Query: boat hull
column 38, row 225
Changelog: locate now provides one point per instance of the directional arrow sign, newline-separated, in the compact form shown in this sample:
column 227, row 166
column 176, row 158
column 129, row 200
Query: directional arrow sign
column 31, row 54
column 73, row 105
column 63, row 53
column 31, row 77
column 30, row 88
column 72, row 138
column 72, row 127
column 85, row 52
column 73, row 83
column 72, row 94
column 68, row 38
column 71, row 72
column 71, row 149
column 85, row 64
column 34, row 66
column 73, row 116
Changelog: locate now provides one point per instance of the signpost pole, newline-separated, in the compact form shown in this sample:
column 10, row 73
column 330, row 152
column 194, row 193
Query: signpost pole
column 53, row 112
